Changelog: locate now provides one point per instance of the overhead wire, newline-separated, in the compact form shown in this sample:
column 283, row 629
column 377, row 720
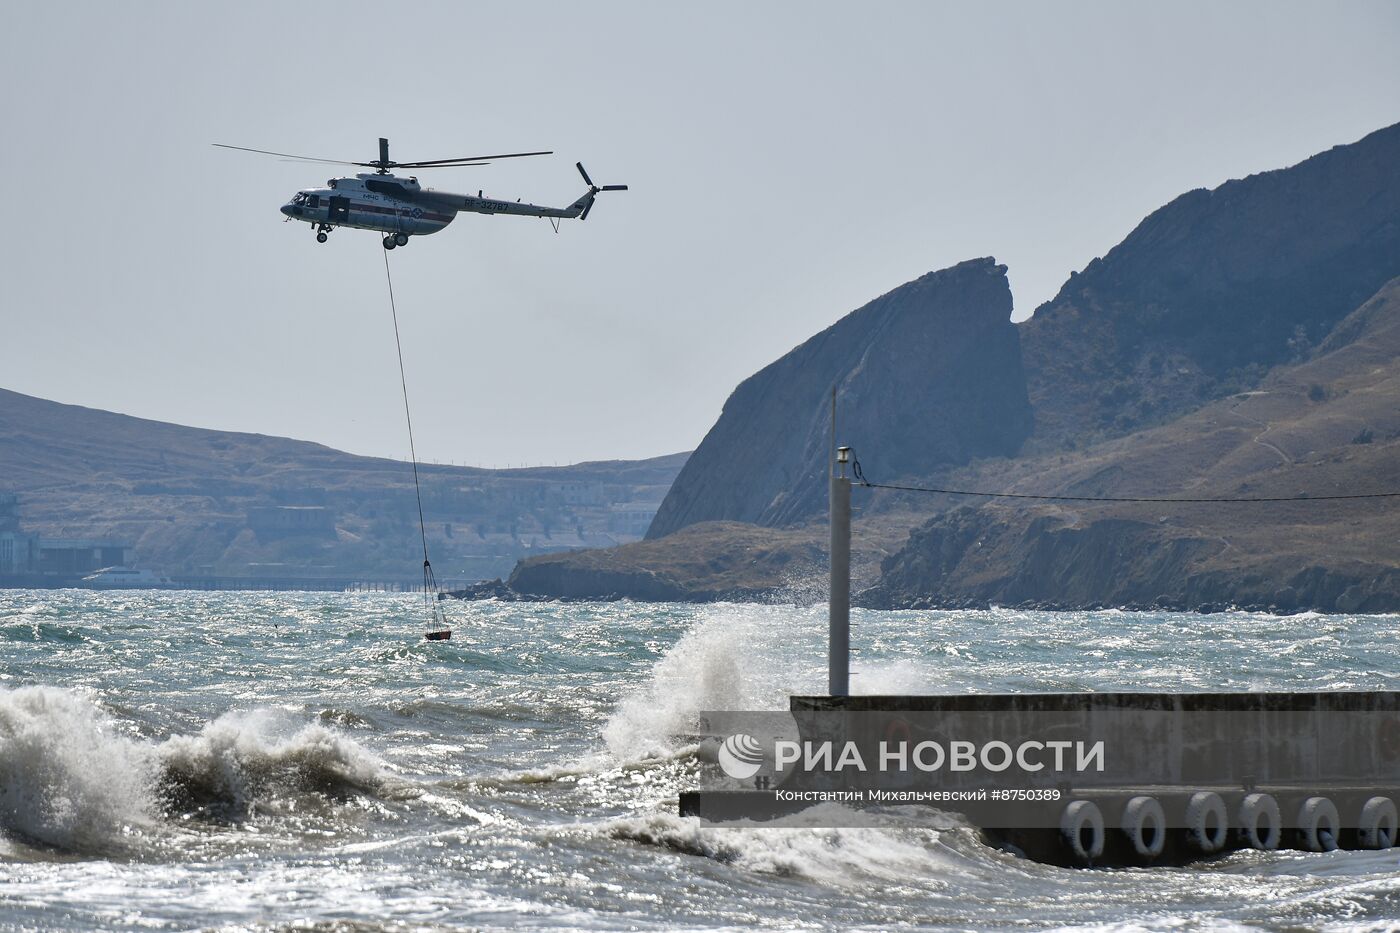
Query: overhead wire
column 860, row 479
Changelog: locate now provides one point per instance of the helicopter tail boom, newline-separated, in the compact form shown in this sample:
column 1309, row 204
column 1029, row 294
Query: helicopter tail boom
column 582, row 205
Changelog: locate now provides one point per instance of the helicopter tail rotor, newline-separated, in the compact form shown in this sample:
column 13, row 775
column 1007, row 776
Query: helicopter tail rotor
column 593, row 190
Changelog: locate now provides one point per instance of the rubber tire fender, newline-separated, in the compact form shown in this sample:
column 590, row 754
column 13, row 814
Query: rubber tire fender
column 1202, row 806
column 1252, row 808
column 1319, row 823
column 1378, row 823
column 1145, row 825
column 1078, row 816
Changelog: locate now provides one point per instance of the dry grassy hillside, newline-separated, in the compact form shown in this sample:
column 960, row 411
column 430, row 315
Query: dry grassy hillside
column 1329, row 425
column 1325, row 425
column 187, row 499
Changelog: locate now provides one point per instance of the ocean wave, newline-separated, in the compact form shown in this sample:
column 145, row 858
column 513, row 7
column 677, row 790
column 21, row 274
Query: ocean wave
column 16, row 629
column 586, row 766
column 433, row 709
column 746, row 657
column 242, row 757
column 738, row 657
column 837, row 856
column 344, row 718
column 71, row 779
column 68, row 778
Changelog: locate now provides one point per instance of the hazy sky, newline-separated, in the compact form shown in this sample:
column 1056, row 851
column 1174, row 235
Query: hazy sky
column 788, row 162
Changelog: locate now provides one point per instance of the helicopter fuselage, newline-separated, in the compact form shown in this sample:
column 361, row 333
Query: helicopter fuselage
column 394, row 205
column 401, row 208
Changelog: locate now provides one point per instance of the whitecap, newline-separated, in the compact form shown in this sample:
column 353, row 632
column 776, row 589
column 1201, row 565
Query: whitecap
column 72, row 780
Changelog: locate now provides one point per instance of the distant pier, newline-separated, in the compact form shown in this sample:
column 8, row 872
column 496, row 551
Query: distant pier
column 39, row 581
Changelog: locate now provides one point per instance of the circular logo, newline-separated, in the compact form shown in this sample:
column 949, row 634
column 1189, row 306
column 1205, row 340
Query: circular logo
column 418, row 212
column 741, row 756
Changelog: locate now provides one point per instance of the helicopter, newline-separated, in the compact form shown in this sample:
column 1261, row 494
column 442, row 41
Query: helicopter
column 399, row 207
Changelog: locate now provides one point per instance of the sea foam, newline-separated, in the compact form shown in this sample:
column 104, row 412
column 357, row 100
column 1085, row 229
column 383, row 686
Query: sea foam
column 840, row 856
column 743, row 657
column 70, row 779
column 737, row 657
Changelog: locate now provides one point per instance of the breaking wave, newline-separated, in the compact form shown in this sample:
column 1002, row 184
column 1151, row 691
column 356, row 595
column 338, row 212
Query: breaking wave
column 67, row 777
column 744, row 657
column 737, row 658
column 73, row 779
column 840, row 856
column 242, row 757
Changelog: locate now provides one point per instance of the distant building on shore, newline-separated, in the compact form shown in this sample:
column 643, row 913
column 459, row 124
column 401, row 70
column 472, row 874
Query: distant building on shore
column 18, row 551
column 286, row 521
column 79, row 555
column 25, row 554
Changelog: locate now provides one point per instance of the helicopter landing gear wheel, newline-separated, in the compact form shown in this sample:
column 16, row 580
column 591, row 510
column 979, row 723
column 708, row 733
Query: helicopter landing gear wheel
column 401, row 239
column 321, row 238
column 389, row 242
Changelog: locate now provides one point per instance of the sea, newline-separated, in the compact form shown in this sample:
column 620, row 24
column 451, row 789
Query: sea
column 307, row 761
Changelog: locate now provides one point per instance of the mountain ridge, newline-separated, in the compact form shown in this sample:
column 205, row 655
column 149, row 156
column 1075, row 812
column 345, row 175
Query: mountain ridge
column 188, row 498
column 1325, row 426
column 1187, row 343
column 1212, row 289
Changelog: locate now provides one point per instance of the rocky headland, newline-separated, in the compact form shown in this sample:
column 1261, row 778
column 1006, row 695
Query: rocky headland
column 1240, row 342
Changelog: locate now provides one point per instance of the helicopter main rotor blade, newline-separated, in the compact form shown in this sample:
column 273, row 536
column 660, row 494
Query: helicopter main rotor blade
column 298, row 161
column 287, row 155
column 449, row 165
column 431, row 162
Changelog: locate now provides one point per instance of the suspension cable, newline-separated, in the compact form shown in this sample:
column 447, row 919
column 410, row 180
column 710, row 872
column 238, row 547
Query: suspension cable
column 430, row 593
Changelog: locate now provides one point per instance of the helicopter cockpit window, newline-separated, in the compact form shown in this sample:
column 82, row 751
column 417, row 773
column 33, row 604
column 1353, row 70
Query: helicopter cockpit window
column 299, row 198
column 313, row 200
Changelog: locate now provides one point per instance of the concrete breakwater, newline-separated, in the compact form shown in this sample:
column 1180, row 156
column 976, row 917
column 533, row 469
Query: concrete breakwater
column 1170, row 778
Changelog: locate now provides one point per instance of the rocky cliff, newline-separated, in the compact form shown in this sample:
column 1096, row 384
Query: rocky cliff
column 1212, row 290
column 929, row 373
column 1226, row 347
column 1328, row 426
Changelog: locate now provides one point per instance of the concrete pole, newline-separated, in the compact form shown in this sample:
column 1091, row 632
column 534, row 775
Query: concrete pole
column 839, row 608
